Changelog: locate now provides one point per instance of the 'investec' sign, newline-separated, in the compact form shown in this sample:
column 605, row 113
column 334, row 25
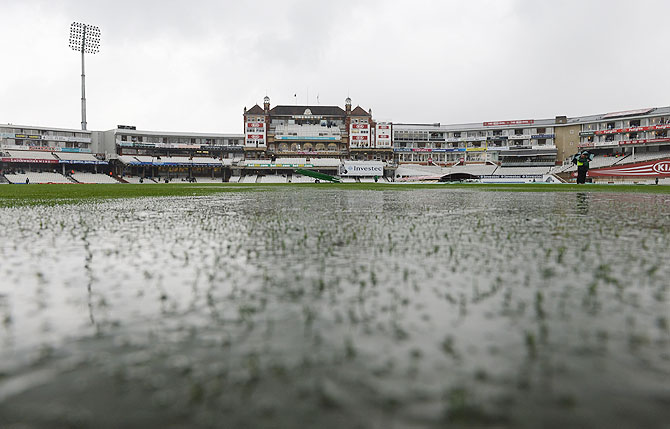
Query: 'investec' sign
column 362, row 169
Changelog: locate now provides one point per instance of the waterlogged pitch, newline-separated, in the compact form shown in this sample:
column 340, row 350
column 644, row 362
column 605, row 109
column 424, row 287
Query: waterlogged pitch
column 328, row 307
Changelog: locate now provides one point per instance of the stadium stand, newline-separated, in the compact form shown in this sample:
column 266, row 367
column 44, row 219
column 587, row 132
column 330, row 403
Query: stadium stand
column 272, row 178
column 31, row 154
column 92, row 178
column 208, row 180
column 234, row 179
column 249, row 179
column 648, row 156
column 73, row 156
column 521, row 170
column 136, row 180
column 474, row 169
column 36, row 177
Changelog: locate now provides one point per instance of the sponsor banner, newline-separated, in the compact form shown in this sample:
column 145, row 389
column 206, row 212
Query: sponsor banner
column 410, row 149
column 224, row 148
column 359, row 138
column 650, row 168
column 543, row 136
column 306, row 138
column 31, row 161
column 46, row 148
column 280, row 165
column 45, row 137
column 475, row 149
column 255, row 124
column 359, row 126
column 643, row 141
column 520, row 122
column 362, row 168
column 634, row 129
column 27, row 136
column 74, row 149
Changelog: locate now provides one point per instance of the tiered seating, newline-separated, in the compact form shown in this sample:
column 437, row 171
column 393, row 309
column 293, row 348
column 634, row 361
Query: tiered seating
column 646, row 156
column 208, row 179
column 93, row 178
column 30, row 154
column 234, row 179
column 35, row 177
column 521, row 170
column 76, row 156
column 136, row 180
column 474, row 169
column 561, row 168
column 249, row 179
column 143, row 158
column 367, row 180
column 272, row 178
column 127, row 159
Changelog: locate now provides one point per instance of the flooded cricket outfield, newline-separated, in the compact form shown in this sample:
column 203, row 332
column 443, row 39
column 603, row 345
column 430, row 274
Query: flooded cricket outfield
column 328, row 308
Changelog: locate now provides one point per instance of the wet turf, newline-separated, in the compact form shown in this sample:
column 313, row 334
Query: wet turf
column 13, row 195
column 328, row 306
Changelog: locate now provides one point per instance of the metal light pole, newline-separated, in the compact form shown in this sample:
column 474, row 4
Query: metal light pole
column 85, row 39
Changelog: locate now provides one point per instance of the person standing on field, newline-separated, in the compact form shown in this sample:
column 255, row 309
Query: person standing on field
column 582, row 162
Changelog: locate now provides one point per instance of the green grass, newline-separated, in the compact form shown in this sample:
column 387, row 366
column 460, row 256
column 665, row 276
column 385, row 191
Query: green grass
column 15, row 195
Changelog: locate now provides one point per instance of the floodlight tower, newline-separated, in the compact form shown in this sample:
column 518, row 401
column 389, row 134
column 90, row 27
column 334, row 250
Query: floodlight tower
column 85, row 39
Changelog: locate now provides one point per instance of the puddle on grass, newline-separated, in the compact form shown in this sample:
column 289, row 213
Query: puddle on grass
column 338, row 308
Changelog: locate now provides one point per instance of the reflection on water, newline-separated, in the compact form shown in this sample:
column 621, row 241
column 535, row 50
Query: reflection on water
column 330, row 308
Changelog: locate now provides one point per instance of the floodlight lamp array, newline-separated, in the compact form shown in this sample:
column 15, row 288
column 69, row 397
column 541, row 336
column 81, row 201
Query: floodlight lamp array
column 84, row 37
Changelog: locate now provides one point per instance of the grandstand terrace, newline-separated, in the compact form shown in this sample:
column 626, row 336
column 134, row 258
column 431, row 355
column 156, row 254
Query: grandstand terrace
column 530, row 141
column 316, row 132
column 277, row 140
column 172, row 155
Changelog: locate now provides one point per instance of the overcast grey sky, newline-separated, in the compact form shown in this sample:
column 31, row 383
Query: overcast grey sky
column 193, row 65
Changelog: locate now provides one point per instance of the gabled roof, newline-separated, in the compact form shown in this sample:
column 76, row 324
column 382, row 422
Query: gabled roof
column 358, row 111
column 300, row 110
column 256, row 110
